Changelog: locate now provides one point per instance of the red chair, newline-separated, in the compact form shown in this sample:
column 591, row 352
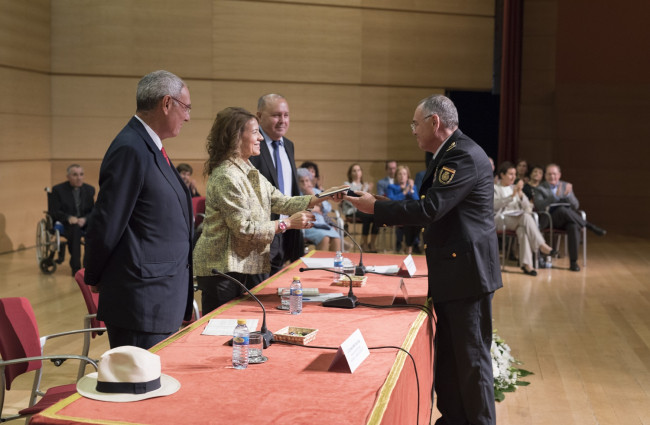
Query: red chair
column 22, row 351
column 90, row 320
column 198, row 205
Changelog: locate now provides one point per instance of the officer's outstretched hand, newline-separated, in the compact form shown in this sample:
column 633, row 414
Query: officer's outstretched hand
column 363, row 201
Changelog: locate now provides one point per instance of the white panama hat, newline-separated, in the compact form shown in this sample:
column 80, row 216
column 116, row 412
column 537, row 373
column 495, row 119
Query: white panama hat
column 127, row 374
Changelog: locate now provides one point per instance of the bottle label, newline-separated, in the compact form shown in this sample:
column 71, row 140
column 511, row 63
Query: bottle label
column 296, row 291
column 338, row 263
column 240, row 340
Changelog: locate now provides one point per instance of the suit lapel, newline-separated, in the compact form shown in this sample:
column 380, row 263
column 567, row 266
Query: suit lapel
column 432, row 170
column 267, row 160
column 169, row 173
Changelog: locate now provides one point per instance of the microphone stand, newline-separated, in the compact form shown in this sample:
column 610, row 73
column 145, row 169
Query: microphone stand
column 349, row 301
column 359, row 270
column 267, row 335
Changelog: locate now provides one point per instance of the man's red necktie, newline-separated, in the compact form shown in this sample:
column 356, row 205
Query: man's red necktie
column 166, row 157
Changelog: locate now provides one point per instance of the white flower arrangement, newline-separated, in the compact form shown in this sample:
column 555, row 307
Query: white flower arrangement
column 506, row 375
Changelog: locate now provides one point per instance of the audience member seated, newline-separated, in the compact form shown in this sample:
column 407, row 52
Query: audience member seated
column 355, row 180
column 185, row 170
column 324, row 236
column 559, row 196
column 535, row 177
column 313, row 169
column 510, row 201
column 402, row 189
column 71, row 203
column 522, row 170
column 391, row 167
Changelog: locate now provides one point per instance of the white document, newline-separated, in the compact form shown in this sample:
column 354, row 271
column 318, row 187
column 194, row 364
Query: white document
column 392, row 269
column 321, row 297
column 226, row 326
column 513, row 213
column 318, row 262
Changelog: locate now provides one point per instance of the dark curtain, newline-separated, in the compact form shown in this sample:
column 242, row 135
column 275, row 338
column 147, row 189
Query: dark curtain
column 510, row 80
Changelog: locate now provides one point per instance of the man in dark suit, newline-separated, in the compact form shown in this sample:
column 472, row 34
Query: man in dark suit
column 273, row 113
column 70, row 203
column 558, row 197
column 139, row 235
column 462, row 258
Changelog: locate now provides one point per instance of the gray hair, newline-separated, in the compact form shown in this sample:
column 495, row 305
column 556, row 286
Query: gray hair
column 304, row 172
column 443, row 107
column 71, row 166
column 263, row 100
column 156, row 85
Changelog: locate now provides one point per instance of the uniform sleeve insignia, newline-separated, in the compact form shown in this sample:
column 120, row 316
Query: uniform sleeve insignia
column 453, row 145
column 446, row 174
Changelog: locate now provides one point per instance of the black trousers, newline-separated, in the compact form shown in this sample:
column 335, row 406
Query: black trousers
column 118, row 337
column 569, row 220
column 217, row 290
column 73, row 235
column 464, row 381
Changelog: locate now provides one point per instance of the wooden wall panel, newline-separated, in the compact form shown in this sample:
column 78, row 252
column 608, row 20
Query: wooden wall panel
column 426, row 49
column 283, row 42
column 472, row 7
column 22, row 202
column 352, row 71
column 25, row 34
column 124, row 37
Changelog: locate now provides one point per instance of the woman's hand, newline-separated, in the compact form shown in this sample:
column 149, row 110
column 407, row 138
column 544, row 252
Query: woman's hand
column 300, row 220
column 336, row 197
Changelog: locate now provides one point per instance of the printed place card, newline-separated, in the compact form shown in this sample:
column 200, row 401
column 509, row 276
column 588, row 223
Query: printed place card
column 350, row 354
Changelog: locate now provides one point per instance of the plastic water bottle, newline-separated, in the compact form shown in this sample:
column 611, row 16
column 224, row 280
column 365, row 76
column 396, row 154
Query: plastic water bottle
column 548, row 263
column 240, row 345
column 295, row 300
column 338, row 266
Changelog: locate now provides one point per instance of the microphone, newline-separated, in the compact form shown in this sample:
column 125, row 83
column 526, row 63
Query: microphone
column 349, row 301
column 267, row 335
column 359, row 270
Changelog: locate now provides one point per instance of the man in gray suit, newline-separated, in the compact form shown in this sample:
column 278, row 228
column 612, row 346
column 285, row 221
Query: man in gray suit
column 139, row 238
column 562, row 204
column 456, row 208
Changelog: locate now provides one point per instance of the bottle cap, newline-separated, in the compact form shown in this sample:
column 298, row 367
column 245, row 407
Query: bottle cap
column 241, row 321
column 296, row 278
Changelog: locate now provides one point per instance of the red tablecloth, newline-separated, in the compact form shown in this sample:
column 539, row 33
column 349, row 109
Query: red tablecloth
column 293, row 386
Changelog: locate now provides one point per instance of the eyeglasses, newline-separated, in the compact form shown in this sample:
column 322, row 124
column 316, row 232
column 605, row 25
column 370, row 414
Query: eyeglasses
column 188, row 108
column 414, row 124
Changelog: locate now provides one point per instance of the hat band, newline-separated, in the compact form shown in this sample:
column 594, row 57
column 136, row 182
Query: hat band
column 128, row 387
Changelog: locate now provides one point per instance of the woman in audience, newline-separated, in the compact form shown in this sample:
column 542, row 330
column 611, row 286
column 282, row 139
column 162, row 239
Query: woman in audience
column 324, row 236
column 355, row 180
column 522, row 170
column 510, row 202
column 534, row 179
column 313, row 168
column 237, row 230
column 402, row 189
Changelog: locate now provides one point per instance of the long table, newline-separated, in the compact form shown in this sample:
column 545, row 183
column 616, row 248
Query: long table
column 294, row 386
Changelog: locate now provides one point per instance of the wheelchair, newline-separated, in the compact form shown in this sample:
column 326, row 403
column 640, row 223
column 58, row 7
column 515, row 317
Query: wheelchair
column 49, row 242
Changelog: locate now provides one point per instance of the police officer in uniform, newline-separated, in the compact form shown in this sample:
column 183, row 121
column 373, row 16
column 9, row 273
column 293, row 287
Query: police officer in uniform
column 462, row 257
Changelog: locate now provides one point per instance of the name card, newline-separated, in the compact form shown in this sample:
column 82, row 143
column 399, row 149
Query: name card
column 407, row 269
column 350, row 354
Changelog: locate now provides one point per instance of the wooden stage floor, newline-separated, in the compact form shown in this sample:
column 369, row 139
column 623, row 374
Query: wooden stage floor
column 585, row 335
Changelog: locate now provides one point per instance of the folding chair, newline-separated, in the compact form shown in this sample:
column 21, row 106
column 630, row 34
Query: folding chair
column 22, row 351
column 90, row 319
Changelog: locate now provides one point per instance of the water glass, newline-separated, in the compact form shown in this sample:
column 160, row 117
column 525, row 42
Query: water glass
column 285, row 298
column 255, row 346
